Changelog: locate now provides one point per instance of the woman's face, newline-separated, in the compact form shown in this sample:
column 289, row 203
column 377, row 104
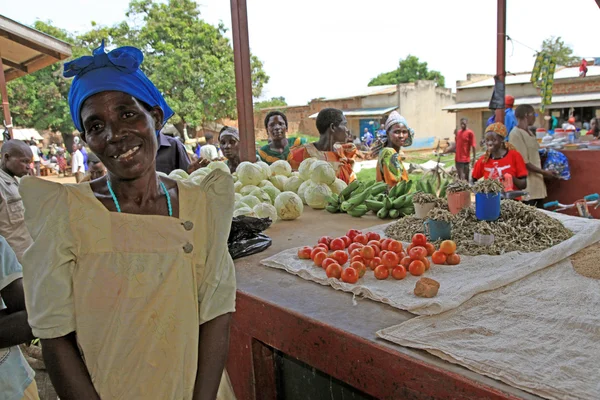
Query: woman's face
column 230, row 147
column 276, row 128
column 493, row 142
column 593, row 124
column 398, row 135
column 121, row 132
column 341, row 133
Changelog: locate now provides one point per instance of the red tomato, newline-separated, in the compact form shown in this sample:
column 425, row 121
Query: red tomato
column 405, row 262
column 381, row 272
column 337, row 244
column 374, row 243
column 401, row 255
column 439, row 258
column 385, row 243
column 419, row 240
column 316, row 250
column 427, row 263
column 430, row 249
column 395, row 246
column 323, row 246
column 304, row 252
column 359, row 267
column 373, row 263
column 367, row 252
column 453, row 259
column 320, row 258
column 390, row 260
column 340, row 256
column 362, row 239
column 417, row 268
column 325, row 240
column 354, row 246
column 399, row 272
column 382, row 253
column 347, row 240
column 328, row 261
column 373, row 236
column 448, row 247
column 375, row 249
column 334, row 271
column 350, row 275
column 417, row 253
column 355, row 253
column 357, row 258
column 352, row 233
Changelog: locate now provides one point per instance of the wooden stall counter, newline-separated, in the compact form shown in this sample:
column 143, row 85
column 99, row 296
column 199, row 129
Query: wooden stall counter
column 295, row 339
column 585, row 179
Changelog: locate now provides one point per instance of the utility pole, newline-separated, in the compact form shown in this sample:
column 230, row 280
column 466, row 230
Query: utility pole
column 501, row 53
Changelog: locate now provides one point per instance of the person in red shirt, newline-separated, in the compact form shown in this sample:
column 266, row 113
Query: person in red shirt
column 465, row 143
column 501, row 160
column 583, row 68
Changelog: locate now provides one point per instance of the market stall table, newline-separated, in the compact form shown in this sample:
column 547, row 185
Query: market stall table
column 283, row 320
column 585, row 179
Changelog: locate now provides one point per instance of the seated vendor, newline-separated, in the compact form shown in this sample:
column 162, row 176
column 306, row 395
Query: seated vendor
column 501, row 159
column 229, row 141
column 334, row 145
column 279, row 144
column 389, row 164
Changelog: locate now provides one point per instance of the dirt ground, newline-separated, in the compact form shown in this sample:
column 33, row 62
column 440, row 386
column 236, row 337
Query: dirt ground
column 54, row 178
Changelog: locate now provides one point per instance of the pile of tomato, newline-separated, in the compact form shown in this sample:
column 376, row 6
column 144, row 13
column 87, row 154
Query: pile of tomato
column 367, row 251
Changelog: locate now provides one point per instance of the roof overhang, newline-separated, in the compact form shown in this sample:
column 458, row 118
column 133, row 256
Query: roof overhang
column 558, row 101
column 364, row 112
column 24, row 50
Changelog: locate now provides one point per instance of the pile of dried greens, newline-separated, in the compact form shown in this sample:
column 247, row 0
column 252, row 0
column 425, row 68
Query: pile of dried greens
column 488, row 186
column 423, row 198
column 519, row 228
column 458, row 186
column 440, row 214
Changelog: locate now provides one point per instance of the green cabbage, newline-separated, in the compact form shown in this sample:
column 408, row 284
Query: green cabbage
column 304, row 169
column 246, row 190
column 316, row 197
column 250, row 201
column 322, row 172
column 244, row 211
column 261, row 195
column 272, row 191
column 265, row 169
column 338, row 186
column 293, row 184
column 306, row 185
column 281, row 167
column 278, row 181
column 288, row 206
column 249, row 174
column 265, row 210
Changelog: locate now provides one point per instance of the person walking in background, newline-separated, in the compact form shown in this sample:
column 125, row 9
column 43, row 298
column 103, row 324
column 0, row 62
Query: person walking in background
column 36, row 156
column 77, row 168
column 367, row 137
column 84, row 153
column 209, row 150
column 465, row 146
column 15, row 164
column 527, row 145
column 583, row 69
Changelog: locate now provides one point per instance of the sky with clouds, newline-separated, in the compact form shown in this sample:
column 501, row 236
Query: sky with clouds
column 325, row 48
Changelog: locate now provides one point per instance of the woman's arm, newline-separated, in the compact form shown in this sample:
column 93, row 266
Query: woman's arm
column 213, row 347
column 14, row 328
column 520, row 183
column 67, row 370
column 543, row 172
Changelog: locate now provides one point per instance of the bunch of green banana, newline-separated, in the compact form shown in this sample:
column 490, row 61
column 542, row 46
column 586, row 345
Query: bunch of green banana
column 397, row 203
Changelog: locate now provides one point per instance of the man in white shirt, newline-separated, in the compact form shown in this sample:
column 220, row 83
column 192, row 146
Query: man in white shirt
column 77, row 166
column 36, row 156
column 209, row 151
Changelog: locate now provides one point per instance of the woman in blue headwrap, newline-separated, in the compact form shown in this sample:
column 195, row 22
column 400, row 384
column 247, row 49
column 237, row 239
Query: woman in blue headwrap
column 389, row 164
column 129, row 283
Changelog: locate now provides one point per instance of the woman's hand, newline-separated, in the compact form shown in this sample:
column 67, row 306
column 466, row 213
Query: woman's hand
column 199, row 163
column 550, row 174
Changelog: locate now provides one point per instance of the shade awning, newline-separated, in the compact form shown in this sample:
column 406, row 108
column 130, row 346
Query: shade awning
column 558, row 101
column 26, row 134
column 24, row 50
column 364, row 112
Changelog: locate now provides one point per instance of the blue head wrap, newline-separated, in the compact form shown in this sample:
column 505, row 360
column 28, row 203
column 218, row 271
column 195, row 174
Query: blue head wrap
column 118, row 70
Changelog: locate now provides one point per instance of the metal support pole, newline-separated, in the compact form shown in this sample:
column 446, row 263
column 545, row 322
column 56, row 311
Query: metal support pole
column 5, row 107
column 501, row 52
column 243, row 79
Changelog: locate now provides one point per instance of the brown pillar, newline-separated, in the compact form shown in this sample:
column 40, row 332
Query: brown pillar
column 501, row 52
column 4, row 93
column 243, row 79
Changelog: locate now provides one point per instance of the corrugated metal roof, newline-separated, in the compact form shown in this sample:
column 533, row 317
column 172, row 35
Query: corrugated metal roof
column 563, row 100
column 561, row 73
column 364, row 112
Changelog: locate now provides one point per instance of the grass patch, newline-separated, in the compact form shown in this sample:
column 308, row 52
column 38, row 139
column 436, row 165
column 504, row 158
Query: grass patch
column 309, row 138
column 366, row 174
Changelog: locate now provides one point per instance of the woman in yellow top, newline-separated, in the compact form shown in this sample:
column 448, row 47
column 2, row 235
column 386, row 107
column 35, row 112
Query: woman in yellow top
column 333, row 145
column 129, row 283
column 279, row 145
column 389, row 164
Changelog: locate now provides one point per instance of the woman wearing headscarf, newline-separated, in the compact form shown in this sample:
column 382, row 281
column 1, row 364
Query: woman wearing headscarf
column 389, row 164
column 332, row 146
column 129, row 283
column 501, row 160
column 229, row 140
column 279, row 144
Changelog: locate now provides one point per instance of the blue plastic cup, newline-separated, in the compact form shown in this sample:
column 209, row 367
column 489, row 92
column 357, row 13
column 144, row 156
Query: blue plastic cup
column 438, row 230
column 487, row 206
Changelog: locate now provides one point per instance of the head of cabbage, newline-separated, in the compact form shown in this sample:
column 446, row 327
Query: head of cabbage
column 246, row 190
column 237, row 197
column 218, row 165
column 292, row 184
column 278, row 181
column 237, row 186
column 316, row 197
column 305, row 186
column 247, row 211
column 288, row 206
column 250, row 201
column 304, row 168
column 272, row 191
column 281, row 167
column 265, row 169
column 338, row 186
column 322, row 172
column 249, row 174
column 265, row 210
column 264, row 183
column 261, row 195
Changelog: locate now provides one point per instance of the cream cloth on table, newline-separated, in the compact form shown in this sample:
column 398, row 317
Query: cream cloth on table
column 135, row 288
column 457, row 283
column 540, row 334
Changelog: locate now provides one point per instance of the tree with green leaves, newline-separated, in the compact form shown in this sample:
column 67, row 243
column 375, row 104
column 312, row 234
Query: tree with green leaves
column 274, row 102
column 562, row 52
column 411, row 69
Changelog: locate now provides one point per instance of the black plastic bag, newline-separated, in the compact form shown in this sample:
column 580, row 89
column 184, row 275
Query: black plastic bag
column 497, row 100
column 246, row 238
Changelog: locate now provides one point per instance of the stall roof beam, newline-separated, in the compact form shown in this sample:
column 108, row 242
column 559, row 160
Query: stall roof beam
column 14, row 65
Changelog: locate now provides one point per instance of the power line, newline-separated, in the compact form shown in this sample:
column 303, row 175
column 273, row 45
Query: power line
column 522, row 44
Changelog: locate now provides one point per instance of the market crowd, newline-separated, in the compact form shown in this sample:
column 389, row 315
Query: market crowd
column 74, row 258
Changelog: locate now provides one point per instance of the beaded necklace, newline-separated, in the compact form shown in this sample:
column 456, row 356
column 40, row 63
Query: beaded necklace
column 118, row 207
